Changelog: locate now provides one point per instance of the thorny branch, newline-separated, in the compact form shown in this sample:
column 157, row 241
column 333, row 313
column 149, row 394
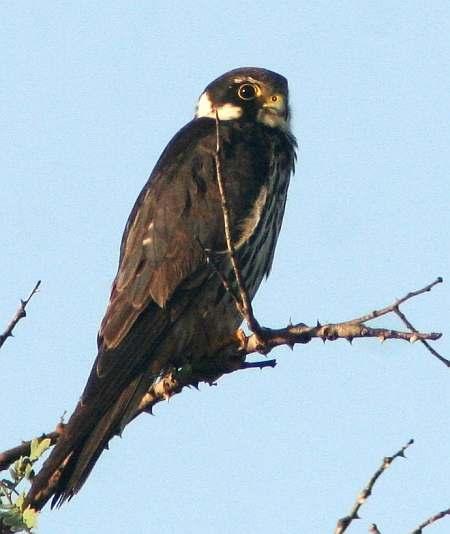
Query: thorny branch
column 345, row 522
column 263, row 340
column 20, row 314
column 233, row 358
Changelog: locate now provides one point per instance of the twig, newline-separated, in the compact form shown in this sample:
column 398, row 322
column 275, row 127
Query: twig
column 20, row 314
column 344, row 522
column 431, row 520
column 395, row 308
column 354, row 328
column 423, row 341
column 11, row 455
column 245, row 306
column 392, row 307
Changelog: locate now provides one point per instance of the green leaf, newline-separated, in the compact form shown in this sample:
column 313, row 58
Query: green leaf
column 20, row 501
column 38, row 447
column 13, row 518
column 30, row 517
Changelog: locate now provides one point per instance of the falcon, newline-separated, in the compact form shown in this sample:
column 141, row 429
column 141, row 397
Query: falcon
column 169, row 305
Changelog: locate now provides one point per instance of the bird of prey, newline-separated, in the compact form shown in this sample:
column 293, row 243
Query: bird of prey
column 168, row 304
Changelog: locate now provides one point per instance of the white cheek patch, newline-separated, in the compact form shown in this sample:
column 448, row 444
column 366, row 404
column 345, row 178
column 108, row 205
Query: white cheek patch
column 226, row 112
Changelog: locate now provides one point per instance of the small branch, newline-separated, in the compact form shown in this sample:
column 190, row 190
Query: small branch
column 244, row 306
column 344, row 522
column 434, row 352
column 354, row 328
column 392, row 307
column 395, row 308
column 259, row 365
column 431, row 520
column 11, row 455
column 20, row 314
column 170, row 384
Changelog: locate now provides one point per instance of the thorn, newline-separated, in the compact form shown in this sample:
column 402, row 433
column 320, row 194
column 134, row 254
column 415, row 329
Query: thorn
column 382, row 338
column 318, row 325
column 323, row 338
column 349, row 339
column 290, row 345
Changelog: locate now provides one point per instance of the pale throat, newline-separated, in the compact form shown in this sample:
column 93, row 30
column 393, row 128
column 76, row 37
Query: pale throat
column 228, row 112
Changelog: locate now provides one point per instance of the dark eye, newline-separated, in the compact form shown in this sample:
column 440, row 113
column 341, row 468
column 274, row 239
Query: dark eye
column 247, row 91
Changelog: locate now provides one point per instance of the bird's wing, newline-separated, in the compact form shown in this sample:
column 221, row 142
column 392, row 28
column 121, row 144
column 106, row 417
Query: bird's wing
column 174, row 217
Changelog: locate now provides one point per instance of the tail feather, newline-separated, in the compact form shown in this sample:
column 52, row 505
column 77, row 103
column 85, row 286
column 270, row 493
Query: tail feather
column 79, row 448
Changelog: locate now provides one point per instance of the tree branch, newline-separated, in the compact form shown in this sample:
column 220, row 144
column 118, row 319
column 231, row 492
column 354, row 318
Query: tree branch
column 362, row 497
column 233, row 357
column 20, row 314
column 9, row 456
column 431, row 520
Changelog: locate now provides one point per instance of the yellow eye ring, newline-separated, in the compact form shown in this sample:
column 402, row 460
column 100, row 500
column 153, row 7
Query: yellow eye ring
column 247, row 91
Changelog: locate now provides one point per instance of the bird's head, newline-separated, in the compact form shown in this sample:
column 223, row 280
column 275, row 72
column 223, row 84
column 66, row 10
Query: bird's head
column 248, row 93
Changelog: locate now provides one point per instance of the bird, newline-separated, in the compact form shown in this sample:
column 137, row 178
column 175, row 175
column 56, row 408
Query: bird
column 168, row 304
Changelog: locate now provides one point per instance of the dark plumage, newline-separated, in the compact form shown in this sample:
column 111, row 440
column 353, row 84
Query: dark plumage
column 168, row 305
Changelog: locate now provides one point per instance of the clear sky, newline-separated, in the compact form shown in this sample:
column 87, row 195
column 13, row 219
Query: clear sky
column 90, row 94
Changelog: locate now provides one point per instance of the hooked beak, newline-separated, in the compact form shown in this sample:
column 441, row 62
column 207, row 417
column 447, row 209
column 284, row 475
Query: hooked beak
column 274, row 111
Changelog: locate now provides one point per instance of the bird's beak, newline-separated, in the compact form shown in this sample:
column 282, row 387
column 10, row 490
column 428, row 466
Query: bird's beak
column 275, row 104
column 274, row 111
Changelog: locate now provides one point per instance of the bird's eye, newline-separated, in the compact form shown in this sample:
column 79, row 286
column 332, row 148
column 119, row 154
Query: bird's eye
column 247, row 91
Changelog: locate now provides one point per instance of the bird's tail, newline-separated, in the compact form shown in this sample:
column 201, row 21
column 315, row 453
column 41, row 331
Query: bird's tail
column 85, row 436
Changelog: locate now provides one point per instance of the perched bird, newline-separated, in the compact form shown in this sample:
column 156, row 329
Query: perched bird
column 168, row 304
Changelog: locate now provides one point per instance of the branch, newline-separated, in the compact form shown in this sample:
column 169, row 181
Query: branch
column 344, row 522
column 173, row 382
column 20, row 314
column 263, row 340
column 431, row 520
column 9, row 456
column 349, row 330
column 233, row 357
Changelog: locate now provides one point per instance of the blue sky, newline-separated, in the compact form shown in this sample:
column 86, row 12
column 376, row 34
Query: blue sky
column 91, row 92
